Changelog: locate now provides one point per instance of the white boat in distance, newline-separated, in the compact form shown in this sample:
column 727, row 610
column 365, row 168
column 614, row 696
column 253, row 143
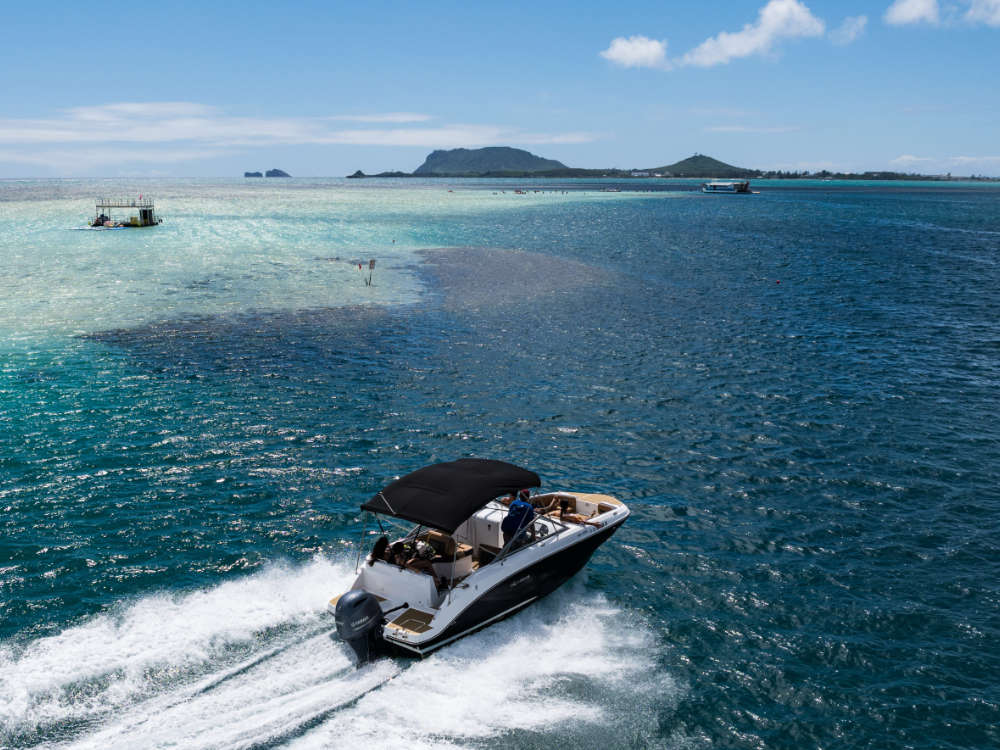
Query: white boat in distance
column 727, row 186
column 462, row 567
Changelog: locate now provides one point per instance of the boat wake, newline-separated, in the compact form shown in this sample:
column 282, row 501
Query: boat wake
column 252, row 663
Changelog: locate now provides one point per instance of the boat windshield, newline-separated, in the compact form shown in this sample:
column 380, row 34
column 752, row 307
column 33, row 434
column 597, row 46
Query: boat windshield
column 541, row 527
column 449, row 558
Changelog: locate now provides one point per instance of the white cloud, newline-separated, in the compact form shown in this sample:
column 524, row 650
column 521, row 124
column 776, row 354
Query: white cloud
column 195, row 128
column 799, row 166
column 791, row 19
column 903, row 12
column 141, row 110
column 849, row 30
column 389, row 117
column 985, row 11
column 963, row 165
column 976, row 159
column 748, row 129
column 779, row 19
column 637, row 52
column 87, row 158
column 453, row 136
column 731, row 112
column 908, row 160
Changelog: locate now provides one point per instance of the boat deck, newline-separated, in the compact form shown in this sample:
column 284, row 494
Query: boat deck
column 412, row 620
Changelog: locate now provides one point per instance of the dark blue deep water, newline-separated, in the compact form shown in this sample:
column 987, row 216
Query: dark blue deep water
column 795, row 392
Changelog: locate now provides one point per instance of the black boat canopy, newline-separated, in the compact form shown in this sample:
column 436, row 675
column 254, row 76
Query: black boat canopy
column 444, row 495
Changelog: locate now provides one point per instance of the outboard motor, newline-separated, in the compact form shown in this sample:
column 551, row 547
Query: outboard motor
column 359, row 622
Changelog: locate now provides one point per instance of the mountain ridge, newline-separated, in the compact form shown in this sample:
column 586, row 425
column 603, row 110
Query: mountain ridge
column 700, row 165
column 504, row 161
column 482, row 160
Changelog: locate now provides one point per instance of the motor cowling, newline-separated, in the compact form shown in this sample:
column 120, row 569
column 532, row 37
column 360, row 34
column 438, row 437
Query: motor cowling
column 359, row 622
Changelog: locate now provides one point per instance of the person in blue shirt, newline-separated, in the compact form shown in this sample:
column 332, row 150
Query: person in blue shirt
column 520, row 514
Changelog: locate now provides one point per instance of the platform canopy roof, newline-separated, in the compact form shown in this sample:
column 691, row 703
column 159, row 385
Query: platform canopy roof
column 444, row 495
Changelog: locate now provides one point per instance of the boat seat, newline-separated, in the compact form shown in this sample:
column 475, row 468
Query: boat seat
column 487, row 553
column 445, row 546
column 446, row 569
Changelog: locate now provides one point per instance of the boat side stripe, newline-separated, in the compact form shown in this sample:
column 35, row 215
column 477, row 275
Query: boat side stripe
column 482, row 624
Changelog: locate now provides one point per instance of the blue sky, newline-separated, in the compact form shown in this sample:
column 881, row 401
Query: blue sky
column 324, row 88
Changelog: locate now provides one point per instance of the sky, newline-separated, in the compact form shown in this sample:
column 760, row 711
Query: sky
column 213, row 89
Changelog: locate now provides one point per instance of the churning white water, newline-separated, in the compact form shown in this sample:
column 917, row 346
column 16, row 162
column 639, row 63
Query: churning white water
column 252, row 663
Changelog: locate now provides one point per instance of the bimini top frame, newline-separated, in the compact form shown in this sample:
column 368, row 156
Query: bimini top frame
column 124, row 203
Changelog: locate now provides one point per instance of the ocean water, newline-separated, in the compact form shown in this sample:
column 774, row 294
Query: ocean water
column 795, row 392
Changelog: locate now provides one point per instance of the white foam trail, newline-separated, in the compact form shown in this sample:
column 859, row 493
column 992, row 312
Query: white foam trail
column 561, row 668
column 250, row 662
column 110, row 661
column 273, row 699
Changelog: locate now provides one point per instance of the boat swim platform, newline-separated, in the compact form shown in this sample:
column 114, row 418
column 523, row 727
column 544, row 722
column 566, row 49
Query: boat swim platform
column 413, row 621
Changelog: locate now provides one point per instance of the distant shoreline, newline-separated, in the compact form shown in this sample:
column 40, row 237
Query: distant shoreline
column 627, row 175
column 511, row 162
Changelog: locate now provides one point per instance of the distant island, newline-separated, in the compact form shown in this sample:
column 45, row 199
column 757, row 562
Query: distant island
column 269, row 173
column 701, row 166
column 478, row 161
column 501, row 161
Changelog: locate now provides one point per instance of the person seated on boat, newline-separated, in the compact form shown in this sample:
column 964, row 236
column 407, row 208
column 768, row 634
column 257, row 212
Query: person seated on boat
column 542, row 508
column 524, row 495
column 396, row 554
column 415, row 557
column 379, row 550
column 400, row 553
column 519, row 516
column 565, row 515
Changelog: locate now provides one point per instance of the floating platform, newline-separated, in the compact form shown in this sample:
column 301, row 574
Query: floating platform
column 142, row 213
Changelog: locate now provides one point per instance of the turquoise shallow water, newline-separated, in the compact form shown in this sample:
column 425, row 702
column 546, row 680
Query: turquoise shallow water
column 795, row 392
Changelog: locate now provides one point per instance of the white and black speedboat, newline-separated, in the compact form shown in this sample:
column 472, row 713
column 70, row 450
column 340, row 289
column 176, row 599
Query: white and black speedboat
column 462, row 566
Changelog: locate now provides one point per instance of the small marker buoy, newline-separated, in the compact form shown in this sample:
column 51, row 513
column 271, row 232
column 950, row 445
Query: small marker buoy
column 778, row 281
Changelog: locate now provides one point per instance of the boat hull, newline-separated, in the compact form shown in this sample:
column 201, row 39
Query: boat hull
column 513, row 593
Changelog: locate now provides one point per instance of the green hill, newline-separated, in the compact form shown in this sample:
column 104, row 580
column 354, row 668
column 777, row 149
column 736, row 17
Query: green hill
column 478, row 161
column 703, row 166
column 503, row 161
